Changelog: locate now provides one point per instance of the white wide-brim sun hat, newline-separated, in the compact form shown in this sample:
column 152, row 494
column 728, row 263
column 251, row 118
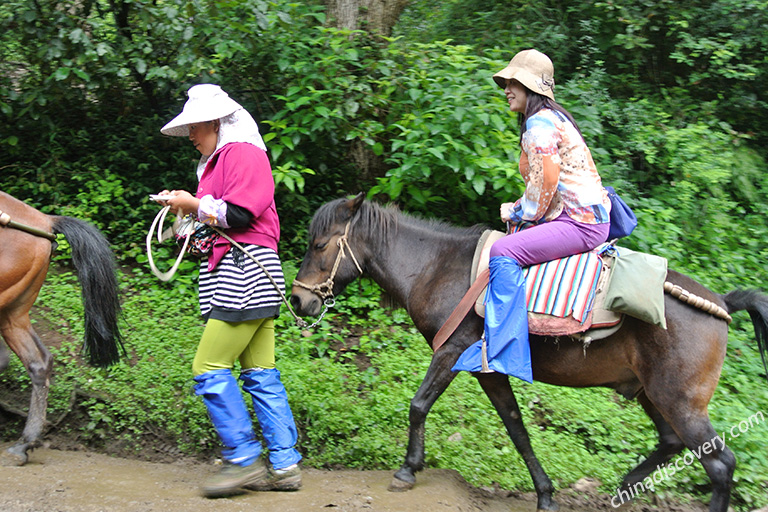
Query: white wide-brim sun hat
column 206, row 102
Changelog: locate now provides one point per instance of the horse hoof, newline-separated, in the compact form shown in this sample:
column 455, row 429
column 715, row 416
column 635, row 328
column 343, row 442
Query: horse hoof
column 14, row 456
column 551, row 506
column 397, row 485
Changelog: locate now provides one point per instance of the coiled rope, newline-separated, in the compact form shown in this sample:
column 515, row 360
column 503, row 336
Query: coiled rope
column 186, row 232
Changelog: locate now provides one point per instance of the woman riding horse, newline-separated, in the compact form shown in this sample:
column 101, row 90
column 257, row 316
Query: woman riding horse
column 564, row 204
column 425, row 266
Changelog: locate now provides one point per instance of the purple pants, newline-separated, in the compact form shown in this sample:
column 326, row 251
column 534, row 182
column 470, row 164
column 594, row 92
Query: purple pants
column 558, row 238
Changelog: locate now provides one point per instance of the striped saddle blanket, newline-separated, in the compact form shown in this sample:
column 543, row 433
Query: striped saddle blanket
column 561, row 294
column 564, row 287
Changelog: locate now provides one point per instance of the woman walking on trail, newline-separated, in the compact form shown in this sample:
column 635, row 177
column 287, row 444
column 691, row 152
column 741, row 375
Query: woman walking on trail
column 238, row 301
column 564, row 210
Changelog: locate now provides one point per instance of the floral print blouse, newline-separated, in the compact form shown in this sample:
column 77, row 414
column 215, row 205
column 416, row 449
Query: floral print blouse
column 553, row 148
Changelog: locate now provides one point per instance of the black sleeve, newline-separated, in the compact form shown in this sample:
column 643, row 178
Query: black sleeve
column 237, row 216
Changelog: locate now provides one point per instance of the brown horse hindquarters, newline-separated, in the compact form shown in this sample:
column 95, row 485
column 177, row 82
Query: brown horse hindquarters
column 24, row 258
column 679, row 370
column 24, row 261
column 22, row 271
column 682, row 365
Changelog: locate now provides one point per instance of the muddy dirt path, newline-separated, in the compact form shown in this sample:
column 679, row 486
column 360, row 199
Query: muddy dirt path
column 81, row 481
column 65, row 481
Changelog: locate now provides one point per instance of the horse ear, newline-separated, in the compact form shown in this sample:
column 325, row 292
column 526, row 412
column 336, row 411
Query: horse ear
column 347, row 208
column 354, row 204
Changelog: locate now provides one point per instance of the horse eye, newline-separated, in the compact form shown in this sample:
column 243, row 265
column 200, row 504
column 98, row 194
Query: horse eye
column 320, row 246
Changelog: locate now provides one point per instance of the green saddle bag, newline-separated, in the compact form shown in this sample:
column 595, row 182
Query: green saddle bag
column 636, row 285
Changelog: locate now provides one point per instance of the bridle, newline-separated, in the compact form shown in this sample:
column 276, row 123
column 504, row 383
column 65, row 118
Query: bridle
column 324, row 290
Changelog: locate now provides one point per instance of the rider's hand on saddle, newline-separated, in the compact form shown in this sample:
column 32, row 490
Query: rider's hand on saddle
column 504, row 210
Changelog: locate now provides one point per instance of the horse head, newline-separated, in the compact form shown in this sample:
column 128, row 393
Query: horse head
column 330, row 262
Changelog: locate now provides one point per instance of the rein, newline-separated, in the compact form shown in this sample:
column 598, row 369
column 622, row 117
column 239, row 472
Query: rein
column 157, row 224
column 5, row 221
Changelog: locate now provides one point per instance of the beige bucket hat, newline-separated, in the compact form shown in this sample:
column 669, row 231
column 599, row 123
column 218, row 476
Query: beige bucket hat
column 531, row 68
column 206, row 102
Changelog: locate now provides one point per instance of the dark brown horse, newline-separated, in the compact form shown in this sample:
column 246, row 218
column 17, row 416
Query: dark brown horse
column 425, row 266
column 26, row 246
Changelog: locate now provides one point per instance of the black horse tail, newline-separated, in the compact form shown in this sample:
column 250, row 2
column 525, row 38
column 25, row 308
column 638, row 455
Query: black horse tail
column 756, row 304
column 97, row 273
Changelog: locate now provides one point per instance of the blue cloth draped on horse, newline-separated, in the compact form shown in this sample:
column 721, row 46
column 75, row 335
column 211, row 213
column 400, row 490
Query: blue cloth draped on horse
column 506, row 323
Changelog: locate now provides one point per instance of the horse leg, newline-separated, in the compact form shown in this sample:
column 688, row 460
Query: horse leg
column 5, row 357
column 669, row 445
column 22, row 339
column 496, row 386
column 686, row 412
column 700, row 437
column 438, row 378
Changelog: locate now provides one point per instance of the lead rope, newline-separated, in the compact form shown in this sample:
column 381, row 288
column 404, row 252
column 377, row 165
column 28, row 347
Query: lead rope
column 157, row 224
column 299, row 321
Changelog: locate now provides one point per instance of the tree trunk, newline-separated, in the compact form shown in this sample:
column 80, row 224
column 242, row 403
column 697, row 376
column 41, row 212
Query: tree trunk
column 373, row 17
column 377, row 16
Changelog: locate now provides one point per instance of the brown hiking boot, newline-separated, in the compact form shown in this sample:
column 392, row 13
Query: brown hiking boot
column 287, row 479
column 231, row 478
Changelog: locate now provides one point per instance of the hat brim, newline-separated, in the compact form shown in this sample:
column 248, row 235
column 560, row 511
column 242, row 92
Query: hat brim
column 530, row 81
column 179, row 125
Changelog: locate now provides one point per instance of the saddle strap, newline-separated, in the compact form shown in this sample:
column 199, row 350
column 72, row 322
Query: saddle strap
column 5, row 221
column 461, row 310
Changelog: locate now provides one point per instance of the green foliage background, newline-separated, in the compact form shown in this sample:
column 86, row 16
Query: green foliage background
column 668, row 94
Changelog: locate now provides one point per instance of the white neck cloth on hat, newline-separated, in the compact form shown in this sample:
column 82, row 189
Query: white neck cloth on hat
column 238, row 126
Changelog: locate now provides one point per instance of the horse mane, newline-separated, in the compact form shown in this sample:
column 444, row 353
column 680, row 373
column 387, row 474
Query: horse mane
column 380, row 221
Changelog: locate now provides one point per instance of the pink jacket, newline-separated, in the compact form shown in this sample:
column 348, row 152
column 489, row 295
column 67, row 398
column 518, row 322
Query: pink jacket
column 240, row 174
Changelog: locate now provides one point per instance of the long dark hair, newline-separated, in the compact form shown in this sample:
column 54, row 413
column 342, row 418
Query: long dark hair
column 537, row 102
